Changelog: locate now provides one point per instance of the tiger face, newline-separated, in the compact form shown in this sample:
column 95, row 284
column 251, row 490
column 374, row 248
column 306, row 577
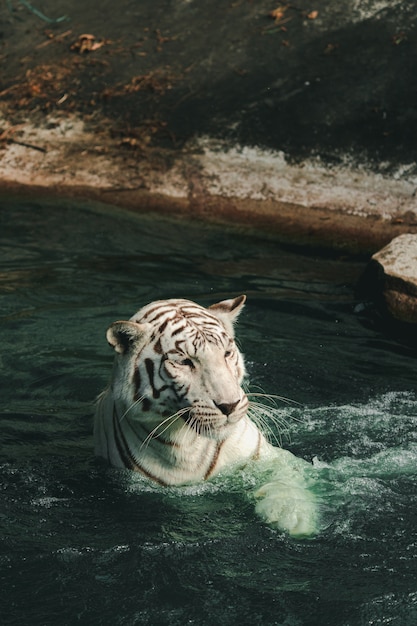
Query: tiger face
column 175, row 357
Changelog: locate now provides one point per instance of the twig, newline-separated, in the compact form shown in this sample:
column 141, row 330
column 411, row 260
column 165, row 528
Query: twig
column 26, row 145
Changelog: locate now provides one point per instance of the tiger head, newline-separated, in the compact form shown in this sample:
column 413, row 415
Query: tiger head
column 176, row 358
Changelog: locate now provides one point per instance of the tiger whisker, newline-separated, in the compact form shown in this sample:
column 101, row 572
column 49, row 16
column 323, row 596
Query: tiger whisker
column 168, row 421
column 272, row 397
column 153, row 434
column 258, row 415
column 187, row 426
column 273, row 413
column 262, row 414
column 135, row 403
column 257, row 391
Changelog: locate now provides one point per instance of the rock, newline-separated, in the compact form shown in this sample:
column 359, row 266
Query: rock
column 394, row 270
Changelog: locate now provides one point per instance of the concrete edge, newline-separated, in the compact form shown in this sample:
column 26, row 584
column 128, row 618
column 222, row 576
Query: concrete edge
column 343, row 208
column 296, row 224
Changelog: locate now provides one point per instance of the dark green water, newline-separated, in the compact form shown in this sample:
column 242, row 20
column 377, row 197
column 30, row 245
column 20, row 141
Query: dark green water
column 85, row 544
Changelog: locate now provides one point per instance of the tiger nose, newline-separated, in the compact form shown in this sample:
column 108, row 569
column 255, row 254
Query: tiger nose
column 227, row 408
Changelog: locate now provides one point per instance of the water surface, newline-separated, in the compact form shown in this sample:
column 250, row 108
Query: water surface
column 85, row 544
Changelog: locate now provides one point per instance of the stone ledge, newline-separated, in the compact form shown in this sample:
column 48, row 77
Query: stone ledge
column 341, row 207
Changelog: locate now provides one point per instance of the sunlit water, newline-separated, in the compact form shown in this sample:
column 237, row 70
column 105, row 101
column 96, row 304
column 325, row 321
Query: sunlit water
column 85, row 544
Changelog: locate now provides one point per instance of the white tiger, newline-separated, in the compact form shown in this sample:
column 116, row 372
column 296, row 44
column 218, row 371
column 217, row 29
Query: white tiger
column 175, row 409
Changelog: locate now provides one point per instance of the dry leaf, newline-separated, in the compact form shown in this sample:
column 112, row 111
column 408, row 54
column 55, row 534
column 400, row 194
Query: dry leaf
column 278, row 13
column 87, row 43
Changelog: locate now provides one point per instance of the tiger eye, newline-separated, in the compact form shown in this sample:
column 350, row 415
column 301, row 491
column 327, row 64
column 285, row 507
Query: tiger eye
column 187, row 363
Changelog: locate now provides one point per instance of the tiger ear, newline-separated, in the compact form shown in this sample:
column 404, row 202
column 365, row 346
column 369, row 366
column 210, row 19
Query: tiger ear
column 228, row 311
column 124, row 335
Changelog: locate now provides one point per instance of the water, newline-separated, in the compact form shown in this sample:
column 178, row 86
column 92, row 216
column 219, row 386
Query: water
column 86, row 544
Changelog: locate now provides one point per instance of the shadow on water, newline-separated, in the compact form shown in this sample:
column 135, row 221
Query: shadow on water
column 82, row 543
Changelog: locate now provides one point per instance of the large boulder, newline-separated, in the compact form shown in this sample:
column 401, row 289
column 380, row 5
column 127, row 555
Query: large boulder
column 391, row 278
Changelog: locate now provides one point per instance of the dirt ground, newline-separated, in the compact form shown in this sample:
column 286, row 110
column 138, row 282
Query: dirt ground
column 295, row 118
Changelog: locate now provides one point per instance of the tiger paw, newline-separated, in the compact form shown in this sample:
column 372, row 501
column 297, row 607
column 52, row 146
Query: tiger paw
column 289, row 507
